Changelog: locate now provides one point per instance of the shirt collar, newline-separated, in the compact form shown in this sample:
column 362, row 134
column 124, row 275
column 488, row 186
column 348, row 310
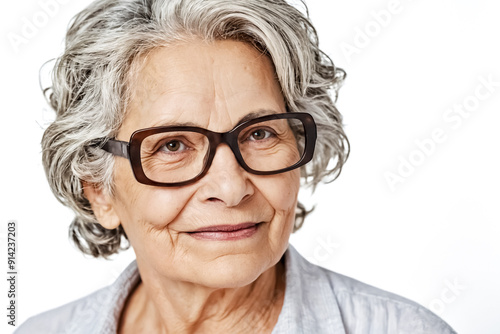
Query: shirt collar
column 307, row 307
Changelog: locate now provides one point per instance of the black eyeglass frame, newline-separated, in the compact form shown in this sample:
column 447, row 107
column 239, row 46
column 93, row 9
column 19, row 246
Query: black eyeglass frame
column 132, row 150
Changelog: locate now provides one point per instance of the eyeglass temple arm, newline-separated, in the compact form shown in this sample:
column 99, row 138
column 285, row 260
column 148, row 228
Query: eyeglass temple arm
column 116, row 147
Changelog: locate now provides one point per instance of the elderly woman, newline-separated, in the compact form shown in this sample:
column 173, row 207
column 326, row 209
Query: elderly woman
column 184, row 128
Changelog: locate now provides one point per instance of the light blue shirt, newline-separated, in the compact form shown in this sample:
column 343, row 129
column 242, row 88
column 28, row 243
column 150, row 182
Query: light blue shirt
column 316, row 301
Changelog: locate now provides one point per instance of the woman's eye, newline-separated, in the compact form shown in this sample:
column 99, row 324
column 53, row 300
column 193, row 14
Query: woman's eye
column 173, row 146
column 259, row 134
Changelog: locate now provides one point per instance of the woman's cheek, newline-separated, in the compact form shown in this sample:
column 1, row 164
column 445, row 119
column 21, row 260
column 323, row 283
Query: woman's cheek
column 282, row 189
column 150, row 210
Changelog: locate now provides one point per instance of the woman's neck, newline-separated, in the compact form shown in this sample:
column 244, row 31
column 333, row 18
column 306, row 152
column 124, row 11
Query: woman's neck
column 159, row 306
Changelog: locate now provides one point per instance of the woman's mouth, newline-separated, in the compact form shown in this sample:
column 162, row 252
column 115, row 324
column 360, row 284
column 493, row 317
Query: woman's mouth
column 225, row 232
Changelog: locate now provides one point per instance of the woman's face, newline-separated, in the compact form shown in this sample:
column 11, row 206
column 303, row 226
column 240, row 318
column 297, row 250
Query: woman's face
column 212, row 86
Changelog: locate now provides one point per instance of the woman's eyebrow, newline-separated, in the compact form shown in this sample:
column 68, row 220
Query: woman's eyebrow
column 255, row 114
column 167, row 124
column 252, row 115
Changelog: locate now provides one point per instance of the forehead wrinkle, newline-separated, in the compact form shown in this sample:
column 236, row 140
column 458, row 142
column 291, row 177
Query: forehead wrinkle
column 220, row 112
column 150, row 88
column 226, row 90
column 154, row 72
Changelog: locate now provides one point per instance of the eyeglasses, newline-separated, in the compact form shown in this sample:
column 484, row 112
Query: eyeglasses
column 170, row 156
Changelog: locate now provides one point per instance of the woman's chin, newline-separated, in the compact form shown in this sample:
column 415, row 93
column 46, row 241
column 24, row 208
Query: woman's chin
column 231, row 273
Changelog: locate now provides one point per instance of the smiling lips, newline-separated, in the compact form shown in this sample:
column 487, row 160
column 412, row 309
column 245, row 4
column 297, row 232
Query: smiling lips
column 226, row 232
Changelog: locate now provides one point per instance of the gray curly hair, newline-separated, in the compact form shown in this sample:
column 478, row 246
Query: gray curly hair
column 91, row 81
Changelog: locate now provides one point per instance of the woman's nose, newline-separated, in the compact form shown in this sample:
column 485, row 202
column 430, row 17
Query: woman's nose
column 226, row 180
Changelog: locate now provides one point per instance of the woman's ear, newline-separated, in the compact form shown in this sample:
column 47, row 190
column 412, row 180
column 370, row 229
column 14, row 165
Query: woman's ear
column 102, row 205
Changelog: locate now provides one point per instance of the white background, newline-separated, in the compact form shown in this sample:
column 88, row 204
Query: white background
column 437, row 227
